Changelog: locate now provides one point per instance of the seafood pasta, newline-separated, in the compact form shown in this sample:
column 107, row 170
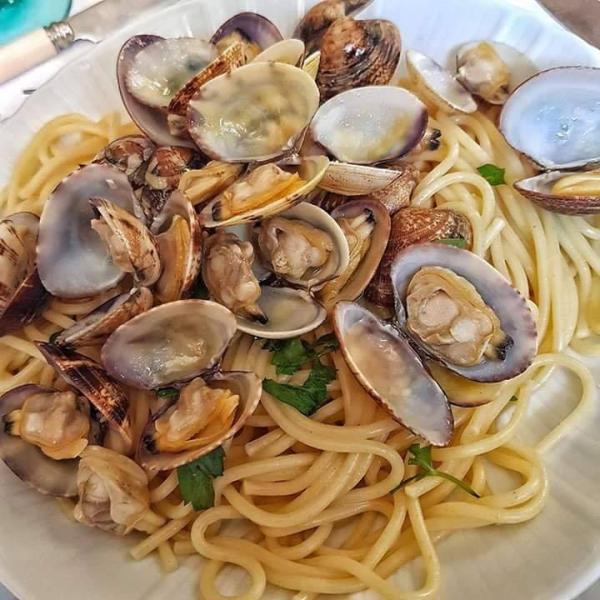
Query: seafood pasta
column 262, row 325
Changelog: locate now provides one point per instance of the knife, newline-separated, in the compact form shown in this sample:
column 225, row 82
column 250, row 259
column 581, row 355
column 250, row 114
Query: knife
column 580, row 16
column 93, row 25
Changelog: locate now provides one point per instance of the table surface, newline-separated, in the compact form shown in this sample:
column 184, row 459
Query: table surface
column 9, row 95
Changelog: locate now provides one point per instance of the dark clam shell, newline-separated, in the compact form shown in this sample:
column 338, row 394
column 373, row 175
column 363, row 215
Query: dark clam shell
column 414, row 226
column 510, row 307
column 252, row 27
column 357, row 54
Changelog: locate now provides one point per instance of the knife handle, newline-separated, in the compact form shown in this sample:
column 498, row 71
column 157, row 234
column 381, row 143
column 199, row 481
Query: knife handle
column 34, row 48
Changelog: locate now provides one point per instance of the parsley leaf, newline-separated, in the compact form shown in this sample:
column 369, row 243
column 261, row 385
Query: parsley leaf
column 196, row 479
column 289, row 355
column 492, row 174
column 456, row 242
column 309, row 396
column 167, row 392
column 421, row 457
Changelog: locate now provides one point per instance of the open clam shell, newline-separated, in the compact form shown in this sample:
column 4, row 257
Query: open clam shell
column 72, row 260
column 568, row 201
column 277, row 258
column 318, row 19
column 151, row 120
column 99, row 324
column 553, row 118
column 87, row 376
column 438, row 84
column 358, row 215
column 169, row 343
column 492, row 70
column 245, row 385
column 28, row 462
column 373, row 59
column 289, row 313
column 22, row 295
column 515, row 319
column 356, row 180
column 370, row 124
column 388, row 368
column 257, row 113
column 290, row 52
column 270, row 197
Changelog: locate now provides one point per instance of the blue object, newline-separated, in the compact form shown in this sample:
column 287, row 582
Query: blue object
column 21, row 16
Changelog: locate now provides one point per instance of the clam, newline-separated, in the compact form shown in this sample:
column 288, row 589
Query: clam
column 257, row 113
column 388, row 368
column 228, row 276
column 311, row 64
column 457, row 309
column 94, row 328
column 553, row 118
column 288, row 313
column 304, row 246
column 200, row 185
column 492, row 70
column 131, row 245
column 129, row 154
column 179, row 239
column 72, row 260
column 88, row 377
column 412, row 226
column 112, row 489
column 42, row 432
column 206, row 413
column 166, row 167
column 564, row 192
column 397, row 195
column 357, row 54
column 366, row 225
column 265, row 190
column 151, row 120
column 290, row 52
column 317, row 20
column 370, row 124
column 169, row 343
column 438, row 85
column 22, row 295
column 254, row 31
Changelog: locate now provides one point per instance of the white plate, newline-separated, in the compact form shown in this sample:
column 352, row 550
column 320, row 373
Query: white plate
column 555, row 557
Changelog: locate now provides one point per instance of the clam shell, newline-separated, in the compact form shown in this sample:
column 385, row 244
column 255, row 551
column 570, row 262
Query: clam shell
column 370, row 124
column 412, row 226
column 510, row 307
column 20, row 300
column 311, row 64
column 201, row 185
column 553, row 118
column 348, row 179
column 237, row 105
column 317, row 217
column 440, row 86
column 310, row 169
column 72, row 260
column 28, row 462
column 152, row 121
column 397, row 195
column 169, row 343
column 318, row 19
column 88, row 377
column 402, row 387
column 373, row 60
column 289, row 313
column 246, row 385
column 253, row 27
column 289, row 51
column 99, row 324
column 538, row 189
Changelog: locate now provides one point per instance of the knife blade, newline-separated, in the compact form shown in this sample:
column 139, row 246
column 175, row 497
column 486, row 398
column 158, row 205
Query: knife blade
column 580, row 16
column 93, row 25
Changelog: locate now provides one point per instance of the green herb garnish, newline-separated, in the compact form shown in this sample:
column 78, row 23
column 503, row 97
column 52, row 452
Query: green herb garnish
column 456, row 242
column 167, row 392
column 196, row 479
column 421, row 457
column 289, row 355
column 309, row 396
column 492, row 174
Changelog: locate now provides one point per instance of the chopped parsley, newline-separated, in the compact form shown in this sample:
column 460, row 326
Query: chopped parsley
column 196, row 479
column 492, row 174
column 456, row 242
column 289, row 355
